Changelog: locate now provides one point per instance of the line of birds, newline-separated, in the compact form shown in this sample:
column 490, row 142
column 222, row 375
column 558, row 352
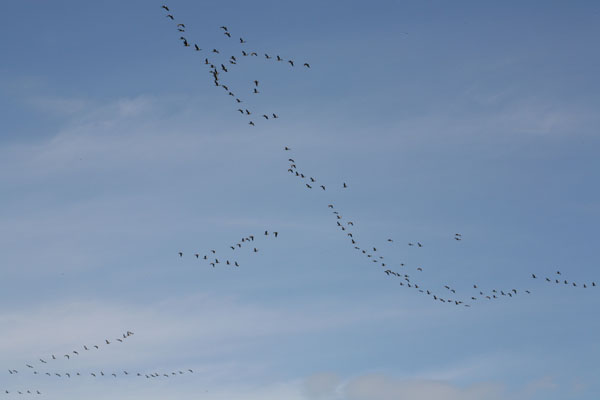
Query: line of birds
column 372, row 254
column 560, row 281
column 74, row 353
column 97, row 374
column 211, row 256
column 21, row 392
column 217, row 68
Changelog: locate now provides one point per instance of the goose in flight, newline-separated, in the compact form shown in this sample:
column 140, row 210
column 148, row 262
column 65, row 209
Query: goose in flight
column 224, row 28
column 228, row 34
column 165, row 7
column 196, row 47
column 242, row 41
column 291, row 62
column 170, row 16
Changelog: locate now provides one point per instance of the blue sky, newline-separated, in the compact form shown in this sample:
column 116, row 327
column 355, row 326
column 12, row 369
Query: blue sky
column 117, row 151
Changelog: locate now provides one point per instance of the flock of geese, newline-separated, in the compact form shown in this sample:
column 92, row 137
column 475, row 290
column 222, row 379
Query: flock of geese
column 407, row 277
column 249, row 242
column 74, row 353
column 218, row 65
column 42, row 367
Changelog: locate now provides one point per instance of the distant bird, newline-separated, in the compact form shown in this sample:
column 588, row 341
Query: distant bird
column 242, row 41
column 227, row 34
column 275, row 116
column 345, row 186
column 215, row 51
column 287, row 148
column 268, row 57
column 279, row 58
column 170, row 16
column 266, row 116
column 196, row 47
column 224, row 28
column 165, row 7
column 251, row 123
column 533, row 276
column 180, row 254
column 291, row 62
column 256, row 83
column 181, row 25
column 306, row 65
